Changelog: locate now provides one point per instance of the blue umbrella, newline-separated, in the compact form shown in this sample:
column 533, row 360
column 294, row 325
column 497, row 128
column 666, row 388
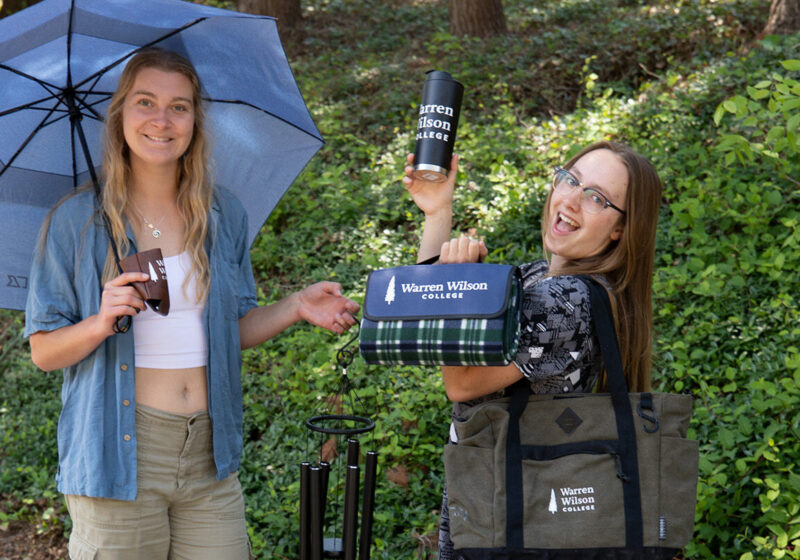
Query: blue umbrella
column 60, row 61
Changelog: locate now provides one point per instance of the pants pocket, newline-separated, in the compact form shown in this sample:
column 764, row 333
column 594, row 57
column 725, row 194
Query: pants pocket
column 79, row 549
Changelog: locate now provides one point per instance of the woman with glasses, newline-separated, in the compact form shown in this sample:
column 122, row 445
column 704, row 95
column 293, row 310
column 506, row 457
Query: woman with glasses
column 600, row 219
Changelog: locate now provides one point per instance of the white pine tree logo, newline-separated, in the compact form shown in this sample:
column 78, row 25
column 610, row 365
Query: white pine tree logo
column 553, row 507
column 390, row 292
column 153, row 275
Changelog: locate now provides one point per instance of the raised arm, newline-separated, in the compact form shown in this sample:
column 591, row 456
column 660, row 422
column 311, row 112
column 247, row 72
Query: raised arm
column 436, row 202
column 463, row 383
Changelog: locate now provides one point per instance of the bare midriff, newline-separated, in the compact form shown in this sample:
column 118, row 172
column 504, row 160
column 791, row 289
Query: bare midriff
column 180, row 391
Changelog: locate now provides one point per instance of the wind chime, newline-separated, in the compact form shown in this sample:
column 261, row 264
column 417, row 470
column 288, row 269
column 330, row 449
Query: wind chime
column 315, row 478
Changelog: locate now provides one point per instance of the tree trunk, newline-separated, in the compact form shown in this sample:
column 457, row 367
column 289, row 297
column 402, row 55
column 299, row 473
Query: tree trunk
column 287, row 12
column 477, row 18
column 8, row 7
column 784, row 17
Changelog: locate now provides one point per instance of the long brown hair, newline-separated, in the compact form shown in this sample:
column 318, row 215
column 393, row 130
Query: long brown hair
column 194, row 189
column 627, row 263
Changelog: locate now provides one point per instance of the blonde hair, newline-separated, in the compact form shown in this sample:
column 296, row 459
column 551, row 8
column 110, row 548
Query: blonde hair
column 627, row 263
column 194, row 188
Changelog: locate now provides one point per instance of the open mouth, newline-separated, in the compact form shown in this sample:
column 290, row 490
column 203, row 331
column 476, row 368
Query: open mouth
column 565, row 224
column 157, row 139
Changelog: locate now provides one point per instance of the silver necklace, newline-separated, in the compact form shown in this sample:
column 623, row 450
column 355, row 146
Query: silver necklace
column 153, row 227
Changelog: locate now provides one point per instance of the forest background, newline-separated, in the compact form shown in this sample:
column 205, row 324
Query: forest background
column 694, row 85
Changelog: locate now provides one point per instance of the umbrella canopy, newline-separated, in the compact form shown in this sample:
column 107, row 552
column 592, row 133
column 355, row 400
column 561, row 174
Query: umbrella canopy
column 60, row 61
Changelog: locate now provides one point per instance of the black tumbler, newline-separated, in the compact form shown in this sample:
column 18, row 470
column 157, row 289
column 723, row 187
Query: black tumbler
column 436, row 128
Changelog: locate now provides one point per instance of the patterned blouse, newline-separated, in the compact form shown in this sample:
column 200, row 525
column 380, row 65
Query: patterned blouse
column 558, row 353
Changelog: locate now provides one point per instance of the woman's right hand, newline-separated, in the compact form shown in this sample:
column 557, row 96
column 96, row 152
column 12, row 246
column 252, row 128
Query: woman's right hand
column 120, row 298
column 68, row 345
column 432, row 198
column 463, row 250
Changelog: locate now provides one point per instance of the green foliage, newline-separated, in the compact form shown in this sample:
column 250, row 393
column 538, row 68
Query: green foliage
column 679, row 82
column 29, row 410
column 767, row 122
column 726, row 300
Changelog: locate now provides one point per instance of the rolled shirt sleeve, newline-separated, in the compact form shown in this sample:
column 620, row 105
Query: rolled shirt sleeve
column 53, row 300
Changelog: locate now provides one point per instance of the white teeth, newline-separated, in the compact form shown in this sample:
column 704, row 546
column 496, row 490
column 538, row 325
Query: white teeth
column 573, row 223
column 158, row 139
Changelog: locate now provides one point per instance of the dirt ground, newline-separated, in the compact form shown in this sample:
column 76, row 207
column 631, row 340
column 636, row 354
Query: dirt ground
column 20, row 541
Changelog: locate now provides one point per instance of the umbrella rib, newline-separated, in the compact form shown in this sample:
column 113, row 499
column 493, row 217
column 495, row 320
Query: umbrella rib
column 119, row 61
column 184, row 27
column 62, row 114
column 89, row 91
column 46, row 85
column 69, row 43
column 270, row 113
column 55, row 93
column 90, row 106
column 58, row 96
column 31, row 106
column 26, row 142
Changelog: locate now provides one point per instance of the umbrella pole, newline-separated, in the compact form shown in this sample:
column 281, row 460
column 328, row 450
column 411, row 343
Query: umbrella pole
column 122, row 323
column 75, row 118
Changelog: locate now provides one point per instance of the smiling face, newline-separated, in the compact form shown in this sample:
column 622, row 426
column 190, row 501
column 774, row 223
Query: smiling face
column 572, row 233
column 158, row 118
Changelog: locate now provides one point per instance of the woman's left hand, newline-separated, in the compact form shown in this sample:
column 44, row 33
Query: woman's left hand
column 322, row 304
column 432, row 198
column 463, row 250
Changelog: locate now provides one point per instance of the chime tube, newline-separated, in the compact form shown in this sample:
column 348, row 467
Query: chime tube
column 305, row 510
column 325, row 473
column 352, row 452
column 368, row 504
column 316, row 514
column 350, row 522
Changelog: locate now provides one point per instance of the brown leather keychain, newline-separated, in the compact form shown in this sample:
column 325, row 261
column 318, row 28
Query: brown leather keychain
column 154, row 291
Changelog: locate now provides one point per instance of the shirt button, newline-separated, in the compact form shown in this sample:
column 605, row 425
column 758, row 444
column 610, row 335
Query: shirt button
column 126, row 402
column 124, row 367
column 126, row 437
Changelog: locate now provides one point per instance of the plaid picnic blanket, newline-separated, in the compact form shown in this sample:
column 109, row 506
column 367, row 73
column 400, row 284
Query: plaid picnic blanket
column 464, row 314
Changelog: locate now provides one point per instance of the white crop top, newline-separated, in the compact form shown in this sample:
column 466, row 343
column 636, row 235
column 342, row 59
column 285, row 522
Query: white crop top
column 179, row 339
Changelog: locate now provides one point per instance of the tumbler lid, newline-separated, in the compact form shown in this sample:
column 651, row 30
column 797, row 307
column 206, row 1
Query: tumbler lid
column 439, row 75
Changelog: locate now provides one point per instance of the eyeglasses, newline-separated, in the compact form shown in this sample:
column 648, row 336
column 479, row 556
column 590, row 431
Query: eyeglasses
column 592, row 200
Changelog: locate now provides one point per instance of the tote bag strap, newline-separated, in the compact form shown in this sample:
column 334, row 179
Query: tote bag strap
column 618, row 388
column 629, row 464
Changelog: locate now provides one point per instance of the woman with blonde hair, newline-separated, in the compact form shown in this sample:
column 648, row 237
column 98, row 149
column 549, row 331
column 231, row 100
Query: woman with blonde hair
column 599, row 219
column 150, row 434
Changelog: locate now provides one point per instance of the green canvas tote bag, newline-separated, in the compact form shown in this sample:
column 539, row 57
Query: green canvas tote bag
column 583, row 476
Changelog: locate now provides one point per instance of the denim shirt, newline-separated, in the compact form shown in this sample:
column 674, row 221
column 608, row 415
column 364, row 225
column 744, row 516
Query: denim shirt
column 97, row 427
